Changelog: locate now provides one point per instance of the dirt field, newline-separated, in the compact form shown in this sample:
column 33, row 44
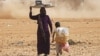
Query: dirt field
column 18, row 37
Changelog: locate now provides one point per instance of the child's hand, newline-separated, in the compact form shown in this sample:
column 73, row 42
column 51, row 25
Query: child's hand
column 52, row 40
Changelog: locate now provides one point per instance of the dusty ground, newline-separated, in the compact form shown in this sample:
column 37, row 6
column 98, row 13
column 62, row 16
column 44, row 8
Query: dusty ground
column 18, row 37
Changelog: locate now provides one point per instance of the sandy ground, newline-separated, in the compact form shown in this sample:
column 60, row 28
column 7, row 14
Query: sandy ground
column 18, row 37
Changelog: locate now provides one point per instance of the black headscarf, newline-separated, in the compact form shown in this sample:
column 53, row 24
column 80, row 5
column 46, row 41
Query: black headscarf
column 57, row 24
column 42, row 11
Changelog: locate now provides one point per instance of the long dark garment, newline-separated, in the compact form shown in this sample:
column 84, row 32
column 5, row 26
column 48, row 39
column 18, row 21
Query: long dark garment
column 43, row 43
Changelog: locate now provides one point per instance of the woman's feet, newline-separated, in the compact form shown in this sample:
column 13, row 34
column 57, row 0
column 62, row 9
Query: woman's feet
column 45, row 54
column 38, row 55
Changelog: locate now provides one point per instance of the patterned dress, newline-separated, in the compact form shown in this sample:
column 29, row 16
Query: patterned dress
column 43, row 43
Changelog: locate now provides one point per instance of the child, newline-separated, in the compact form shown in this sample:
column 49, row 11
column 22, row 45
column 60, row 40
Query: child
column 61, row 38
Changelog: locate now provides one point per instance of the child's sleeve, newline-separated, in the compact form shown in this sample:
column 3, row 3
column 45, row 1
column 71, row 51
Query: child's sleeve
column 67, row 31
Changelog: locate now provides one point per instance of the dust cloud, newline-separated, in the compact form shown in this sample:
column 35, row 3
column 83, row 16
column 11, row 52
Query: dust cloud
column 62, row 9
column 14, row 9
column 77, row 9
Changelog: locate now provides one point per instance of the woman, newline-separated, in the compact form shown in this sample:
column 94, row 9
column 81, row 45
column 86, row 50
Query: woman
column 43, row 35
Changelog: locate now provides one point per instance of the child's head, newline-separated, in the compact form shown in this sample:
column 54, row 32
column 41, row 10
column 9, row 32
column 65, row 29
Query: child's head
column 57, row 24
